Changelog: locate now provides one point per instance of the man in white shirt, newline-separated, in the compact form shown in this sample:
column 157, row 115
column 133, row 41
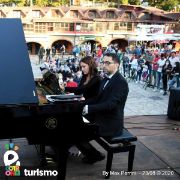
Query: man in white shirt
column 160, row 63
column 173, row 58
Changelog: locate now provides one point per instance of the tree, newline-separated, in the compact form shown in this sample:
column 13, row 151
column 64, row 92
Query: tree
column 135, row 2
column 123, row 2
column 167, row 5
column 20, row 2
column 41, row 3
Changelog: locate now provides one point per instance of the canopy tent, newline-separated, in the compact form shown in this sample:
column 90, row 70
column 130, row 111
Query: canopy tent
column 157, row 37
column 164, row 37
column 177, row 36
column 140, row 38
column 161, row 41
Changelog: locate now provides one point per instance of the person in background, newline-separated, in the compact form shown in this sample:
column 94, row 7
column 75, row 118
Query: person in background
column 160, row 63
column 173, row 58
column 41, row 53
column 53, row 50
column 175, row 76
column 154, row 70
column 166, row 71
column 139, row 68
column 77, row 77
column 70, row 82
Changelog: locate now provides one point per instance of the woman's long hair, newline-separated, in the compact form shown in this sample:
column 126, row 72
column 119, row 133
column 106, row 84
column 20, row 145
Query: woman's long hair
column 177, row 67
column 89, row 60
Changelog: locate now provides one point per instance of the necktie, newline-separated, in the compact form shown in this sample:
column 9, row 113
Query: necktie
column 106, row 79
column 104, row 83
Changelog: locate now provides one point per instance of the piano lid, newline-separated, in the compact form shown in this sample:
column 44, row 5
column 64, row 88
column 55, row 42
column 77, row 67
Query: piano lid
column 17, row 84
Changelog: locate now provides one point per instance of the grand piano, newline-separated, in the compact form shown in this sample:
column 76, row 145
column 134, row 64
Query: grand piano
column 51, row 123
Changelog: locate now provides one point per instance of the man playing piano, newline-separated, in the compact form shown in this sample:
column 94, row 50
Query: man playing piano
column 107, row 108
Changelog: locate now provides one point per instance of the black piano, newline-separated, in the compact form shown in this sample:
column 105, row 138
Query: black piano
column 52, row 123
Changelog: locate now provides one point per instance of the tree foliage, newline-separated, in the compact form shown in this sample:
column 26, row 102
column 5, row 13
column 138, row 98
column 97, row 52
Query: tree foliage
column 167, row 5
column 41, row 3
column 135, row 2
column 123, row 2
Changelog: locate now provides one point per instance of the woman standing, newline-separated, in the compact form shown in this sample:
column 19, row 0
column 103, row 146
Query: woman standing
column 166, row 71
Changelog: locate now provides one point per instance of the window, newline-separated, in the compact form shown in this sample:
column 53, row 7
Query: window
column 74, row 14
column 28, row 27
column 84, row 27
column 65, row 26
column 129, row 26
column 127, row 15
column 56, row 13
column 90, row 27
column 57, row 27
column 99, row 27
column 40, row 27
column 93, row 14
column 61, row 27
column 110, row 14
column 145, row 16
column 17, row 14
column 123, row 26
column 116, row 26
column 50, row 27
column 36, row 14
column 71, row 28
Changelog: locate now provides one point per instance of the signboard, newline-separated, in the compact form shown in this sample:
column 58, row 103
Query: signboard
column 150, row 29
column 90, row 38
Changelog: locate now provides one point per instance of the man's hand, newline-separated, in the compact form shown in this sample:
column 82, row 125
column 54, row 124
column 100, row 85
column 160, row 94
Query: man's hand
column 85, row 110
column 82, row 98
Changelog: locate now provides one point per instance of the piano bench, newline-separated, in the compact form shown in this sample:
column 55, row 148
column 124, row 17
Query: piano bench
column 117, row 144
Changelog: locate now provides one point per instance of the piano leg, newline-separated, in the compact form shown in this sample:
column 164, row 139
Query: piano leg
column 42, row 156
column 62, row 161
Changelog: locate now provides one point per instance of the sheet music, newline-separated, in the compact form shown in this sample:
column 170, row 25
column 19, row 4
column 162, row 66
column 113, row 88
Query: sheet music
column 63, row 97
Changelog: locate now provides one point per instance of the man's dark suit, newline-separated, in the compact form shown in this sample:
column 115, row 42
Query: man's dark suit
column 108, row 106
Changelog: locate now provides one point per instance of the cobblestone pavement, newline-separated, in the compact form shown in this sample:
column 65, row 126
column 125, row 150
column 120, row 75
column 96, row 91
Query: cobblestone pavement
column 145, row 102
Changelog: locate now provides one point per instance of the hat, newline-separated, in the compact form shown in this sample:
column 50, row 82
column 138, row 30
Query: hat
column 173, row 51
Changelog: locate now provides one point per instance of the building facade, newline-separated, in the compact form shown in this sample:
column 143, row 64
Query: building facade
column 54, row 26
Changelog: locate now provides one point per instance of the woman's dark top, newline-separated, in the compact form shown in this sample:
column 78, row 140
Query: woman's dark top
column 166, row 69
column 88, row 90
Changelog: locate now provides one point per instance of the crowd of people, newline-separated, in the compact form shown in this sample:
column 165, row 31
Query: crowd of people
column 160, row 66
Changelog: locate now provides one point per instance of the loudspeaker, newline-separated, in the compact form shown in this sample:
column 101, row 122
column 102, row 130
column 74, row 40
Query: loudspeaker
column 174, row 104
